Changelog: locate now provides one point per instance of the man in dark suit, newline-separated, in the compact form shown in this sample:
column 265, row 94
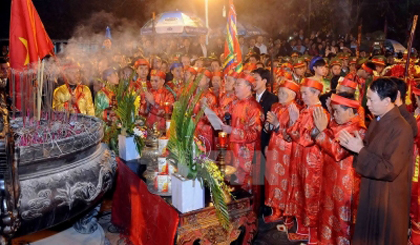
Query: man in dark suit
column 266, row 100
column 186, row 47
column 200, row 48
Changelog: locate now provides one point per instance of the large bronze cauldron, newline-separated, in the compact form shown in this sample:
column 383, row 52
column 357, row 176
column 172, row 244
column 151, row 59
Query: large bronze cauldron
column 59, row 180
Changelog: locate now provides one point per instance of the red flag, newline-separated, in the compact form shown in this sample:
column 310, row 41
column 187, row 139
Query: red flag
column 28, row 39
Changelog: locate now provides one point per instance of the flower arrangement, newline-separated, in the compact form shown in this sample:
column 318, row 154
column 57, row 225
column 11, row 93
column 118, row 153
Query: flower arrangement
column 128, row 123
column 188, row 152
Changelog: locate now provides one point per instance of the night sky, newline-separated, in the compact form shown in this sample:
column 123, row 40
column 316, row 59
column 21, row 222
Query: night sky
column 60, row 17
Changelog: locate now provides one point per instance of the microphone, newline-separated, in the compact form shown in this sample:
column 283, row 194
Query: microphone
column 228, row 118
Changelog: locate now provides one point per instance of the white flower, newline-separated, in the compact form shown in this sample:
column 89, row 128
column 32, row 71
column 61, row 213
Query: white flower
column 137, row 132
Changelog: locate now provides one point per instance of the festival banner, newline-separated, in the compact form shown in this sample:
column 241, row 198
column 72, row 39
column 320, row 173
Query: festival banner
column 232, row 54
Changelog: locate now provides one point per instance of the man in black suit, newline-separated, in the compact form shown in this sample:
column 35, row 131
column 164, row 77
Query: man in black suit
column 266, row 100
column 186, row 47
column 200, row 48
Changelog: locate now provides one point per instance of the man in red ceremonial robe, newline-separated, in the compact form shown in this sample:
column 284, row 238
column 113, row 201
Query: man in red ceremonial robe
column 365, row 75
column 189, row 76
column 279, row 151
column 228, row 95
column 340, row 186
column 204, row 130
column 217, row 83
column 348, row 86
column 245, row 133
column 307, row 162
column 142, row 69
column 154, row 109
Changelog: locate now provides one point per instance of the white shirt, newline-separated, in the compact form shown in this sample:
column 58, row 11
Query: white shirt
column 263, row 48
column 204, row 49
column 259, row 96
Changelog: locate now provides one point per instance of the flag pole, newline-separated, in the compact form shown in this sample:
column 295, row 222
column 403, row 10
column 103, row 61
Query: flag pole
column 407, row 80
column 13, row 94
column 40, row 88
column 410, row 45
column 359, row 41
column 22, row 105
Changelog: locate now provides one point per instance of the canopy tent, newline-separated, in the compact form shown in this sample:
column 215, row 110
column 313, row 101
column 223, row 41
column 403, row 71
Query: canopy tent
column 175, row 23
column 394, row 46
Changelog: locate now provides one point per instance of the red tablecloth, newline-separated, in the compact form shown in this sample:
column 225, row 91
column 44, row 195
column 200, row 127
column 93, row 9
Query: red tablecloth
column 146, row 218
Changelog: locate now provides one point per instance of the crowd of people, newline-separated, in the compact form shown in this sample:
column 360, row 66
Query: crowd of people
column 322, row 138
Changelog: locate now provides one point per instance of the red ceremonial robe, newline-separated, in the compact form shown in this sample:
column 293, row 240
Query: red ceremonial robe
column 277, row 170
column 225, row 99
column 245, row 139
column 204, row 131
column 156, row 113
column 340, row 186
column 306, row 171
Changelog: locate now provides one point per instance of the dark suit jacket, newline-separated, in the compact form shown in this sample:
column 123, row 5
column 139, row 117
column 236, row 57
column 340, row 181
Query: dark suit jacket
column 196, row 49
column 184, row 50
column 266, row 101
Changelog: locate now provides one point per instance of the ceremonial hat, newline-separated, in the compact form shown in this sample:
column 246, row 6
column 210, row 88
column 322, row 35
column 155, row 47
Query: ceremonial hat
column 141, row 62
column 287, row 66
column 250, row 67
column 366, row 68
column 343, row 56
column 307, row 57
column 353, row 60
column 361, row 61
column 158, row 73
column 205, row 72
column 108, row 72
column 247, row 77
column 217, row 74
column 335, row 61
column 308, row 82
column 313, row 61
column 379, row 60
column 300, row 62
column 286, row 59
column 213, row 56
column 175, row 65
column 339, row 100
column 232, row 73
column 416, row 91
column 192, row 70
column 295, row 54
column 291, row 85
column 347, row 82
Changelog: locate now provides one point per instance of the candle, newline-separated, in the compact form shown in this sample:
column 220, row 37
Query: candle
column 223, row 139
column 167, row 107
